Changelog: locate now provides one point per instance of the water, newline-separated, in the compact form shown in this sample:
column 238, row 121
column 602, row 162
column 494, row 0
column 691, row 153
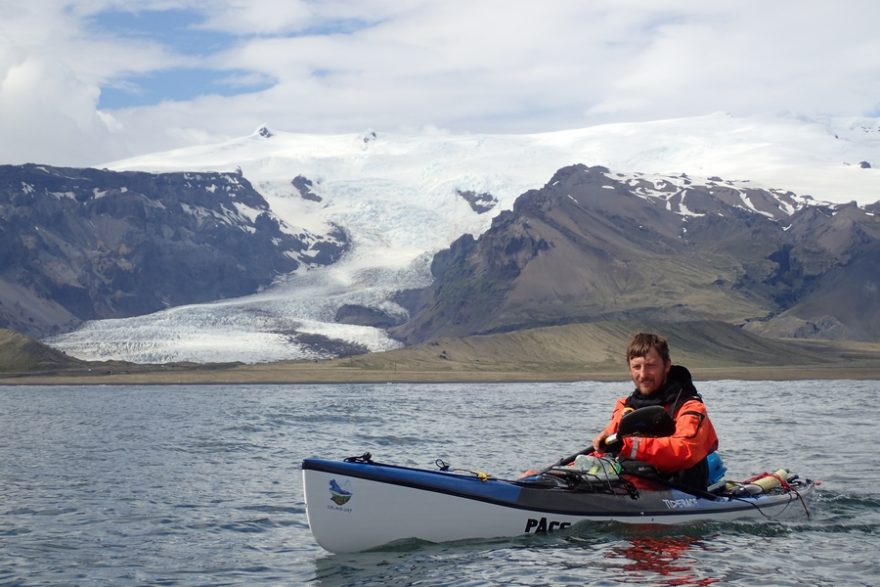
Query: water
column 201, row 485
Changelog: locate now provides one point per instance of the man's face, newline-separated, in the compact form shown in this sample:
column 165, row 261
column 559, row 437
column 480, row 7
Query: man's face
column 649, row 372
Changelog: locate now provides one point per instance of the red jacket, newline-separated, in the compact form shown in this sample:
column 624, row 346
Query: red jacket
column 694, row 438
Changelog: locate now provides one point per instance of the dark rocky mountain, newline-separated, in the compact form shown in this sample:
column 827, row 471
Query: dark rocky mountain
column 592, row 245
column 81, row 244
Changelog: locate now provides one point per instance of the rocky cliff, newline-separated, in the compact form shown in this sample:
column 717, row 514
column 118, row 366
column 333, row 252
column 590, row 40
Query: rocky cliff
column 82, row 244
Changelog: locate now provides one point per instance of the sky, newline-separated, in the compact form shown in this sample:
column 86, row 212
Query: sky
column 91, row 81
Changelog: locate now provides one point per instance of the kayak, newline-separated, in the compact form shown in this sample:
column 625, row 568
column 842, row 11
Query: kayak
column 357, row 504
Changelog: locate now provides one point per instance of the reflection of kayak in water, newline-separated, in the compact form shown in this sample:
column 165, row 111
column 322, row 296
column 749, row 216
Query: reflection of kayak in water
column 385, row 503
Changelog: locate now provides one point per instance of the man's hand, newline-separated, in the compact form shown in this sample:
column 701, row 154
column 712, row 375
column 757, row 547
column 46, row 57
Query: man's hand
column 613, row 445
column 599, row 442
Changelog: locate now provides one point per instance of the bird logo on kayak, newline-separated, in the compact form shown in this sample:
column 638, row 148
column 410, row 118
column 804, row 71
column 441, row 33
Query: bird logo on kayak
column 338, row 495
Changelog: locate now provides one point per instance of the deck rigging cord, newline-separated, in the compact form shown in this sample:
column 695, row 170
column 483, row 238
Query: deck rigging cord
column 445, row 467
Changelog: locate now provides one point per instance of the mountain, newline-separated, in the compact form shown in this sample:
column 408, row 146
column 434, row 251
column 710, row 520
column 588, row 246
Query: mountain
column 87, row 244
column 593, row 245
column 401, row 198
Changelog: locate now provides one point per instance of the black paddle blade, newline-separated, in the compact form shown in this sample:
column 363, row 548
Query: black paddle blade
column 650, row 421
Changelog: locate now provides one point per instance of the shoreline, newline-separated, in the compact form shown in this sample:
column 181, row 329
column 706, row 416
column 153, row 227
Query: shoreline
column 575, row 352
column 302, row 374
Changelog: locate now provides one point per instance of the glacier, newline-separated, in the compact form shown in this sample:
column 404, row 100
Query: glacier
column 397, row 197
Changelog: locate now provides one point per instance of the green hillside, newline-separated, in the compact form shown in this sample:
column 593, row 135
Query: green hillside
column 599, row 348
column 22, row 353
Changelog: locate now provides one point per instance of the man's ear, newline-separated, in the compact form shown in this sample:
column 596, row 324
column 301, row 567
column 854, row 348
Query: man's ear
column 667, row 366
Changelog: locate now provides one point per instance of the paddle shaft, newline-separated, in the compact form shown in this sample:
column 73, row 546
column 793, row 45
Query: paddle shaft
column 564, row 461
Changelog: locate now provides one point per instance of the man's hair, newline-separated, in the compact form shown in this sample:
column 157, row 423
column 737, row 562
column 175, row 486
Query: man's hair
column 642, row 343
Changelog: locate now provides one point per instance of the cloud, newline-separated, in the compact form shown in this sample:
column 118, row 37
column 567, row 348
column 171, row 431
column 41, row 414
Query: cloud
column 174, row 72
column 807, row 57
column 52, row 71
column 37, row 126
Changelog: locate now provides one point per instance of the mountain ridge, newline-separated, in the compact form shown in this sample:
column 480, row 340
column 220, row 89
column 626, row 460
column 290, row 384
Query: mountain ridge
column 588, row 247
column 402, row 198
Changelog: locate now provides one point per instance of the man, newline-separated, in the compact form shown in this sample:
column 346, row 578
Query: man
column 681, row 456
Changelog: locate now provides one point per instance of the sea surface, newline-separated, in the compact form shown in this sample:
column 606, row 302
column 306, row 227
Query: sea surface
column 201, row 485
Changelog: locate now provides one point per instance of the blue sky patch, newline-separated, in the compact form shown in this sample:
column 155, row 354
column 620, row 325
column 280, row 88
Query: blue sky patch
column 179, row 31
column 337, row 27
column 179, row 84
column 176, row 29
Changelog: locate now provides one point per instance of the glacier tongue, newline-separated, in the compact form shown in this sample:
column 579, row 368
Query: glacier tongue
column 257, row 328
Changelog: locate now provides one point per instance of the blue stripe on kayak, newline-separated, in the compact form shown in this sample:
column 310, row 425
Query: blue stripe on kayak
column 492, row 490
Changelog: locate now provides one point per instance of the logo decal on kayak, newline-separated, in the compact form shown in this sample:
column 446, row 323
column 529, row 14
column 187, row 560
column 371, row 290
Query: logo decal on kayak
column 534, row 526
column 677, row 504
column 338, row 494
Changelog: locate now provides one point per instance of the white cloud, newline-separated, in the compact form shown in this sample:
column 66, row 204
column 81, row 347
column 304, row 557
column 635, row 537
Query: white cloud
column 479, row 65
column 47, row 113
column 51, row 73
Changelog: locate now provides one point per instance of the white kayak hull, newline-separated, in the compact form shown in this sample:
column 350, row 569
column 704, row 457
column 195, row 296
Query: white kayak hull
column 353, row 507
